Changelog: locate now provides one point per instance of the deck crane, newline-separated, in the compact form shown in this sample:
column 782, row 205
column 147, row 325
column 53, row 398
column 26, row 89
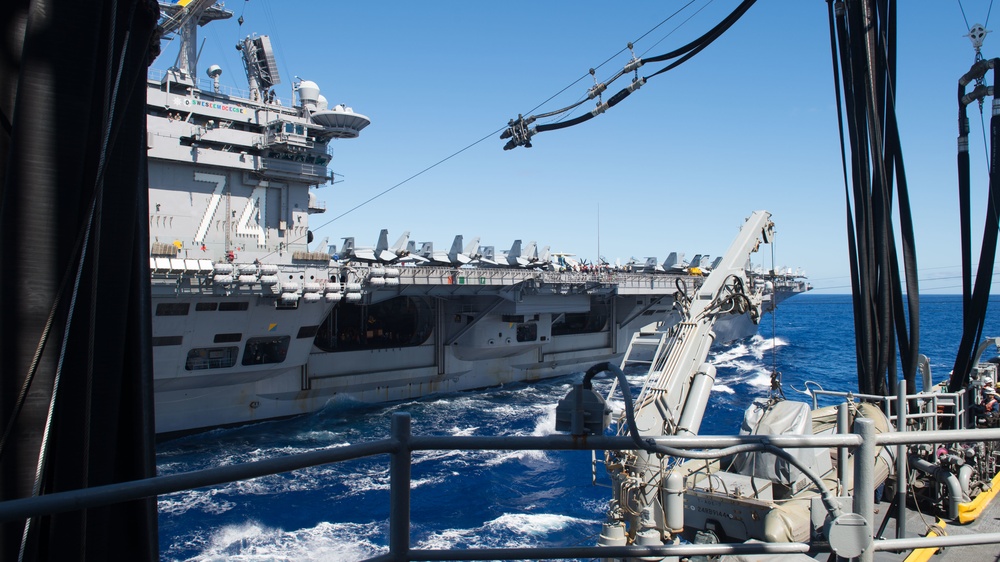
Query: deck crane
column 677, row 388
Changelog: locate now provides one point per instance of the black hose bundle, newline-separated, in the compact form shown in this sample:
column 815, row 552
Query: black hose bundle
column 863, row 40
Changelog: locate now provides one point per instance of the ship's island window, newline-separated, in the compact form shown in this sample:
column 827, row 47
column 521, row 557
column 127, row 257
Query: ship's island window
column 167, row 340
column 233, row 306
column 512, row 318
column 172, row 309
column 211, row 358
column 206, row 306
column 397, row 322
column 307, row 332
column 582, row 322
column 228, row 338
column 261, row 351
column 527, row 332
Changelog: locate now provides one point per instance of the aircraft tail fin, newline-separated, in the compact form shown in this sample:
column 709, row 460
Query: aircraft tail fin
column 456, row 246
column 348, row 249
column 472, row 249
column 531, row 251
column 673, row 259
column 401, row 244
column 515, row 250
column 383, row 241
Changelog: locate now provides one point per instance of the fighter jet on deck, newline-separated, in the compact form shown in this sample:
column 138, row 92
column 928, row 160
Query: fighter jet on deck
column 513, row 256
column 457, row 256
column 381, row 253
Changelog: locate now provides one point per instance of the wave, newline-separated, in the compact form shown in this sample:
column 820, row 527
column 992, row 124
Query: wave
column 206, row 501
column 510, row 530
column 725, row 389
column 252, row 541
column 755, row 346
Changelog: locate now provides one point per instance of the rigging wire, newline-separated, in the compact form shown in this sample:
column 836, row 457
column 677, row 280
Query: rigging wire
column 407, row 180
column 696, row 45
column 579, row 102
column 988, row 12
column 494, row 133
column 681, row 24
column 962, row 8
column 520, row 130
column 568, row 109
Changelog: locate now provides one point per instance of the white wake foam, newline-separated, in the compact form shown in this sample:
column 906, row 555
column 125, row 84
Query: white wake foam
column 510, row 530
column 326, row 542
column 722, row 388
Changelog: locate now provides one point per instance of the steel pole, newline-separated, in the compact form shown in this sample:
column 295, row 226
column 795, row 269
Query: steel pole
column 843, row 425
column 901, row 471
column 399, row 489
column 864, row 480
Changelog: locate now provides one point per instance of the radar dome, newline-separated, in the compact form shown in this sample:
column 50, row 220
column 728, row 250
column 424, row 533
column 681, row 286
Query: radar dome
column 308, row 92
column 214, row 71
column 321, row 102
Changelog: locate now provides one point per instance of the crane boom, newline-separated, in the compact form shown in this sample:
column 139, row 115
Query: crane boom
column 725, row 291
column 675, row 395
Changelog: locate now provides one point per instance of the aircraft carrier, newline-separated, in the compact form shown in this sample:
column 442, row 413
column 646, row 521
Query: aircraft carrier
column 253, row 321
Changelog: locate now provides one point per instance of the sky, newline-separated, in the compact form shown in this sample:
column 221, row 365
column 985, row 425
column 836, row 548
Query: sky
column 749, row 123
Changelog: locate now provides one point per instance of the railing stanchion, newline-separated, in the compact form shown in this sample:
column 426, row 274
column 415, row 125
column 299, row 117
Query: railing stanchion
column 399, row 489
column 864, row 480
column 901, row 470
column 843, row 425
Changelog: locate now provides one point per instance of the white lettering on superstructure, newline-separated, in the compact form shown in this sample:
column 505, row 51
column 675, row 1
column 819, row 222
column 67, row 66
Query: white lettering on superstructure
column 251, row 223
column 213, row 203
column 188, row 102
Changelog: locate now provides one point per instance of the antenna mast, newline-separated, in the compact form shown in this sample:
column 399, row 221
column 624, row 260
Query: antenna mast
column 185, row 21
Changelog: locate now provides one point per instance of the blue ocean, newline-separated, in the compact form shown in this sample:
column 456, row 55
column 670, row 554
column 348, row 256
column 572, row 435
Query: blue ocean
column 489, row 498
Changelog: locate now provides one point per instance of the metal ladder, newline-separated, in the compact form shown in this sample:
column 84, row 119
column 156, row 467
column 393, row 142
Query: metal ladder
column 643, row 340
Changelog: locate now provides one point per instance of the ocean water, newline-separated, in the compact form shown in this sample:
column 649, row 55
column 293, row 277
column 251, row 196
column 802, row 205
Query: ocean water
column 483, row 498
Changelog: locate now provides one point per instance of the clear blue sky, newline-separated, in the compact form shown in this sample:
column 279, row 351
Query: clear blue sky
column 749, row 123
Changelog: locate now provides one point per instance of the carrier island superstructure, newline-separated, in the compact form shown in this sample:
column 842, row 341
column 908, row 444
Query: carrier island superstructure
column 250, row 323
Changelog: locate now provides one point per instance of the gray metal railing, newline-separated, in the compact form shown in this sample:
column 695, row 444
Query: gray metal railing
column 402, row 443
column 931, row 406
column 206, row 85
